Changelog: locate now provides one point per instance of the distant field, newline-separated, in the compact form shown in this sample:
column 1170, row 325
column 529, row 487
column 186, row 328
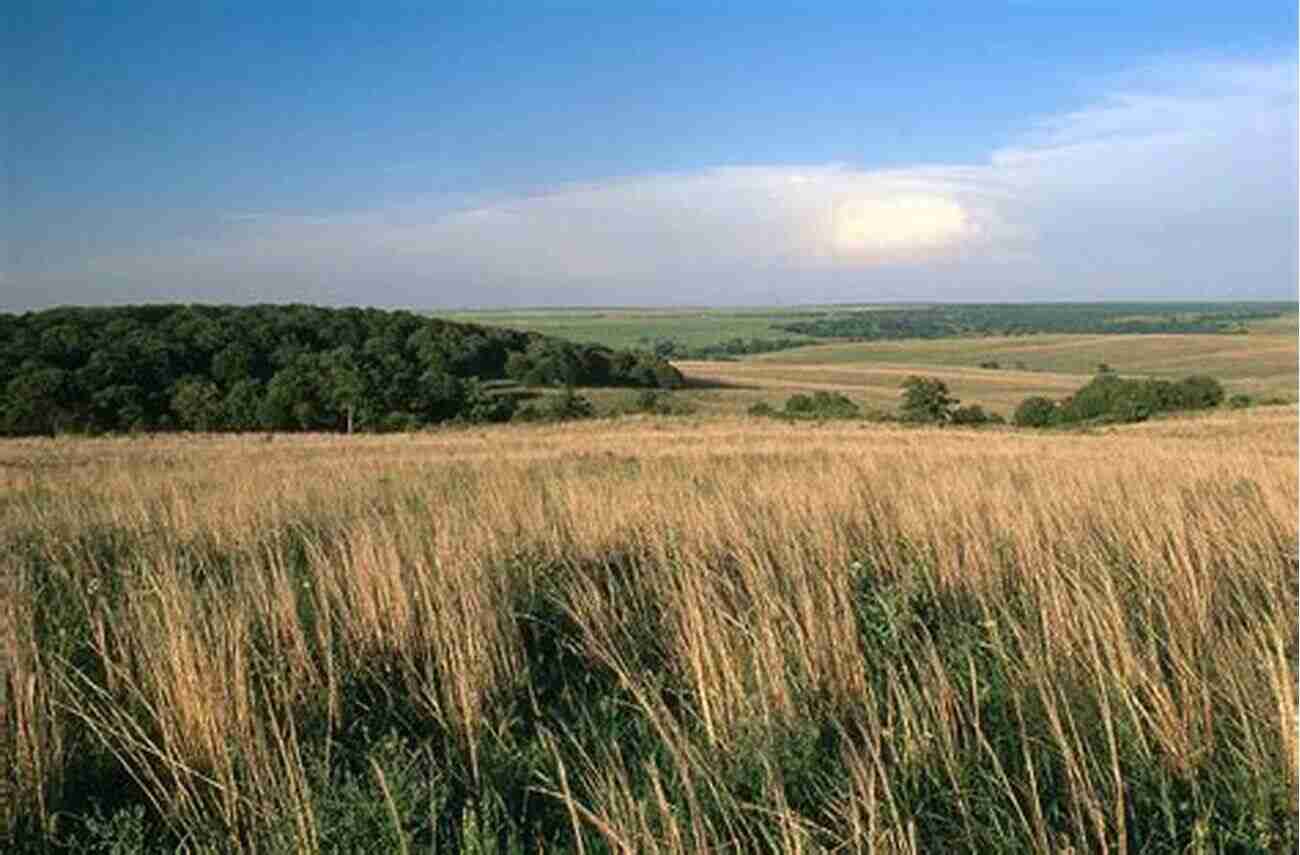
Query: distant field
column 1256, row 355
column 620, row 328
column 701, row 326
column 875, row 386
column 635, row 327
column 1263, row 366
column 1262, row 363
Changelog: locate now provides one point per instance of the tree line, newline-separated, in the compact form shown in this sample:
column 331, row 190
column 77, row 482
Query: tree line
column 1031, row 318
column 279, row 367
column 1107, row 398
column 729, row 350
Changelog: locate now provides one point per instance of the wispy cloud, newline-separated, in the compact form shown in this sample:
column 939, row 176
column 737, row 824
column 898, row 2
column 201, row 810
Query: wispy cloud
column 1179, row 179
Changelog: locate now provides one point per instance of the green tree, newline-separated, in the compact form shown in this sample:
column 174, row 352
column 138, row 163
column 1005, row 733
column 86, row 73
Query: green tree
column 293, row 366
column 232, row 364
column 241, row 408
column 197, row 404
column 482, row 405
column 121, row 406
column 519, row 366
column 37, row 401
column 553, row 364
column 1100, row 396
column 345, row 386
column 292, row 399
column 927, row 400
column 1035, row 411
column 440, row 396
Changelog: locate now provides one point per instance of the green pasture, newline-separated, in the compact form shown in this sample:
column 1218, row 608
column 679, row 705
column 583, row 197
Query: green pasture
column 620, row 328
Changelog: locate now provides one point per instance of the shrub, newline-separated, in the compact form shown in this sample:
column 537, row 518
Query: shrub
column 798, row 404
column 762, row 408
column 974, row 415
column 821, row 405
column 668, row 377
column 647, row 401
column 660, row 403
column 1240, row 401
column 1035, row 411
column 665, row 348
column 1096, row 398
column 1109, row 397
column 398, row 422
column 484, row 405
column 1198, row 392
column 556, row 408
column 1132, row 410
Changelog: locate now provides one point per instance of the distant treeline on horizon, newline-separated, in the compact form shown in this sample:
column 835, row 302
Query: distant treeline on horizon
column 279, row 367
column 990, row 319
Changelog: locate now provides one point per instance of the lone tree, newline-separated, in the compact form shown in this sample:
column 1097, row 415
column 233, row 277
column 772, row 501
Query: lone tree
column 927, row 400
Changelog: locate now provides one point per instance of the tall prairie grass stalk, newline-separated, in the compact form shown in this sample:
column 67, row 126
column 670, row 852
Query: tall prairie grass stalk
column 633, row 637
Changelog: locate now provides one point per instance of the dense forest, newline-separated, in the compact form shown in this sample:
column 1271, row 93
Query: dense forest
column 1029, row 318
column 279, row 367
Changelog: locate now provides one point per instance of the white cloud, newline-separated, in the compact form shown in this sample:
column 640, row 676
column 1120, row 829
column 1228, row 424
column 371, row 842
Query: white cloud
column 1180, row 181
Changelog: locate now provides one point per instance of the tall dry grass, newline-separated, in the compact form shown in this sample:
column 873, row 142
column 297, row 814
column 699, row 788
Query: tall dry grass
column 644, row 636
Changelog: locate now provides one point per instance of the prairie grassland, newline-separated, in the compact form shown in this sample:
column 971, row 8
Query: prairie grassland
column 1230, row 356
column 873, row 386
column 1264, row 364
column 648, row 635
column 1267, row 356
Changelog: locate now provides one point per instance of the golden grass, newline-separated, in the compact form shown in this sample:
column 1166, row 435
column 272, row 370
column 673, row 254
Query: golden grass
column 1130, row 593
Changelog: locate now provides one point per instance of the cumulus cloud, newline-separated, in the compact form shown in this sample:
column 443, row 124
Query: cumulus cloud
column 898, row 225
column 1178, row 180
column 723, row 234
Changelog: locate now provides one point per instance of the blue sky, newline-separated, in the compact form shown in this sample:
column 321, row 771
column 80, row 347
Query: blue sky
column 446, row 155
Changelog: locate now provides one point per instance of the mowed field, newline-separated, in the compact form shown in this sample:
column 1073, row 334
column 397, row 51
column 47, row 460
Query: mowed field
column 653, row 635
